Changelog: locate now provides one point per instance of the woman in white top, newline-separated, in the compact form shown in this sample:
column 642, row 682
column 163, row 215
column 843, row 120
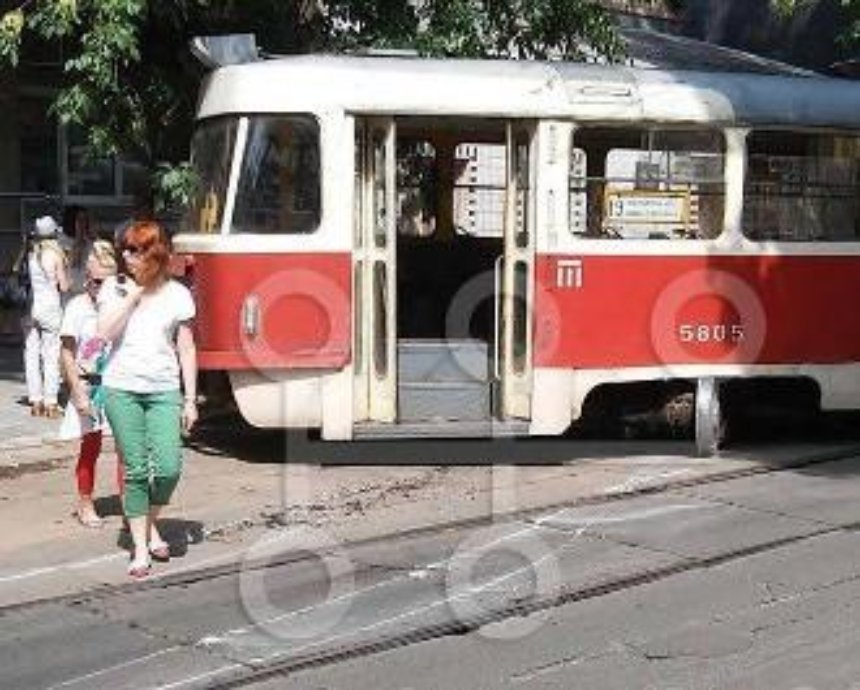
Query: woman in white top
column 46, row 264
column 150, row 382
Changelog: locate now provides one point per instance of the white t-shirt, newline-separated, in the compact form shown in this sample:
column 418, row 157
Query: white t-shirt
column 143, row 358
column 43, row 267
column 80, row 321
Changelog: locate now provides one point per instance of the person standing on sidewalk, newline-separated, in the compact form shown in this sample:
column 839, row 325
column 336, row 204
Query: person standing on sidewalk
column 83, row 356
column 77, row 240
column 147, row 318
column 49, row 279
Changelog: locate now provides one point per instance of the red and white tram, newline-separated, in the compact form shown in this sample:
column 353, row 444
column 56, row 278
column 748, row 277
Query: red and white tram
column 398, row 246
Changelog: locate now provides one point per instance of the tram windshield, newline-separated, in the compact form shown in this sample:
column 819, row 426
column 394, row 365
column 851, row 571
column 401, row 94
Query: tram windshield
column 278, row 189
column 211, row 153
column 279, row 183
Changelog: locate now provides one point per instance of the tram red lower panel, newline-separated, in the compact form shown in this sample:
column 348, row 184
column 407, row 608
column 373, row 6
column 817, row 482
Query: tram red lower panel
column 272, row 310
column 622, row 311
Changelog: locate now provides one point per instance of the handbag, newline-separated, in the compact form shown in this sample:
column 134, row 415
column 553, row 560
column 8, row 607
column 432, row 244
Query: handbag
column 14, row 290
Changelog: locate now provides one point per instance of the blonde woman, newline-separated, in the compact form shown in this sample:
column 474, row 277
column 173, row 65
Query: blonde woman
column 83, row 355
column 49, row 279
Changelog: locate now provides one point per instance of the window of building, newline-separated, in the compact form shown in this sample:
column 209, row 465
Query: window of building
column 802, row 187
column 647, row 183
column 111, row 179
column 38, row 145
column 86, row 176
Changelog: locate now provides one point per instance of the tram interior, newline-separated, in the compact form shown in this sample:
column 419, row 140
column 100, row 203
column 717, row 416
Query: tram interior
column 450, row 186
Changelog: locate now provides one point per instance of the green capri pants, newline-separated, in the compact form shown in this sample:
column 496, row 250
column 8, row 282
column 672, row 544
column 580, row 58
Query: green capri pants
column 147, row 429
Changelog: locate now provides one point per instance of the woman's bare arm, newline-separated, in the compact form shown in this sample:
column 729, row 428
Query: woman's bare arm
column 186, row 351
column 77, row 390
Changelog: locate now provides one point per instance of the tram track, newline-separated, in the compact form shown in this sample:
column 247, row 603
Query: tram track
column 183, row 579
column 261, row 672
column 267, row 670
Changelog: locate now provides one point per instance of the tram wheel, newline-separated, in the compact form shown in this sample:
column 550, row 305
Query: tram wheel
column 710, row 421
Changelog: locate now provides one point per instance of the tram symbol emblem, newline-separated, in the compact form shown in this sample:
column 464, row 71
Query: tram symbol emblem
column 568, row 273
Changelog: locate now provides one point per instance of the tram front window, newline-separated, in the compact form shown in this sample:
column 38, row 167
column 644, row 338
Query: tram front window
column 279, row 182
column 211, row 153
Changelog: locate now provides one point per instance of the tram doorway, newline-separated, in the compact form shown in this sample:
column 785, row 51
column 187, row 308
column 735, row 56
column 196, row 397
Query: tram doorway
column 459, row 263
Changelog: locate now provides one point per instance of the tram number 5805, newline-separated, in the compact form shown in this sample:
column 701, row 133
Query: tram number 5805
column 710, row 333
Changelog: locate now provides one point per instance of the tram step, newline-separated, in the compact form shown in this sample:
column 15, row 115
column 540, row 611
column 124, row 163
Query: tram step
column 441, row 429
column 442, row 360
column 419, row 401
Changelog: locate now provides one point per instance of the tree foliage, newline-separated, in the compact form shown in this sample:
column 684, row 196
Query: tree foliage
column 530, row 29
column 130, row 81
column 849, row 37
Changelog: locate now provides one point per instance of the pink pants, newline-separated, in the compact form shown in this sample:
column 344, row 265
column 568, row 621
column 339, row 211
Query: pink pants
column 91, row 448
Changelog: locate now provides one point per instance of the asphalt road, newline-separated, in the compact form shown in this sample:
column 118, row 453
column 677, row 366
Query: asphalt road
column 744, row 583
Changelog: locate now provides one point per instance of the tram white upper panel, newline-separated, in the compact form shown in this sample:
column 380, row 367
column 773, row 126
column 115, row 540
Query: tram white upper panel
column 528, row 89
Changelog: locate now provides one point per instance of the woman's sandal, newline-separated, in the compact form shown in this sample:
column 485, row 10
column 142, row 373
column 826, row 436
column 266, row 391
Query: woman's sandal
column 53, row 411
column 139, row 569
column 90, row 520
column 160, row 551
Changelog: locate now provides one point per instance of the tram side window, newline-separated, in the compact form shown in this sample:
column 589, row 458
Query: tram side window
column 479, row 189
column 646, row 183
column 211, row 153
column 802, row 187
column 480, row 172
column 279, row 183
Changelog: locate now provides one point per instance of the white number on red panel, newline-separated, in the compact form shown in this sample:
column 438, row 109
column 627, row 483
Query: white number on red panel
column 710, row 333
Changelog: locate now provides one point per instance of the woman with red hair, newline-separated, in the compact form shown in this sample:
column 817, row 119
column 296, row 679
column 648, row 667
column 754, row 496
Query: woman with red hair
column 149, row 382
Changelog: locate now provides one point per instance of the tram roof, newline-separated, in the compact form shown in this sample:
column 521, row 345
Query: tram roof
column 509, row 88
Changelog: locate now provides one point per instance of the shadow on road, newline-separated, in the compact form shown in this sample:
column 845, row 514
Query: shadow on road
column 231, row 436
column 179, row 534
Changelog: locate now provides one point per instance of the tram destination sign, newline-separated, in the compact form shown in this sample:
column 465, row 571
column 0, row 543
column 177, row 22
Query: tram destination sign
column 647, row 207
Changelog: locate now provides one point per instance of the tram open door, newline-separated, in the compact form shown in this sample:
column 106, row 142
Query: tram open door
column 416, row 372
column 374, row 272
column 514, row 294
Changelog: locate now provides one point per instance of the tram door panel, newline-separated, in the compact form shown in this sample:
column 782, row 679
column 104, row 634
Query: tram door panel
column 514, row 275
column 374, row 271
